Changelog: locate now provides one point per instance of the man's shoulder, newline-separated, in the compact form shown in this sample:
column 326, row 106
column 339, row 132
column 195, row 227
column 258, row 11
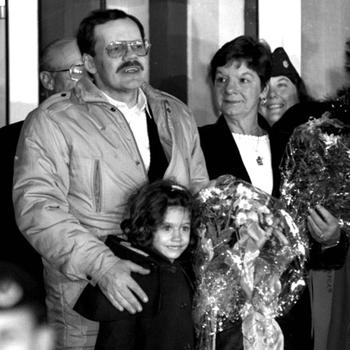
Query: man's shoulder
column 57, row 101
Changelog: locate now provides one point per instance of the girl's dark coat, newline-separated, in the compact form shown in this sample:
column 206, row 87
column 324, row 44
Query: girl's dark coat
column 165, row 322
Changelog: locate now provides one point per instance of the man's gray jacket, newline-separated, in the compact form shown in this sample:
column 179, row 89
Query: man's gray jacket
column 76, row 164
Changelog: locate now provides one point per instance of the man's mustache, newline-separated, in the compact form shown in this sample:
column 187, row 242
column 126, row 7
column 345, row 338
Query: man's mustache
column 130, row 64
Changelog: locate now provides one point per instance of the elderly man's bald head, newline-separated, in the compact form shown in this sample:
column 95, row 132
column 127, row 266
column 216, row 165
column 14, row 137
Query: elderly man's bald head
column 55, row 62
column 60, row 54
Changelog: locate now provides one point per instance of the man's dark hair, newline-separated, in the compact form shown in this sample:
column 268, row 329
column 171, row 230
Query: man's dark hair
column 256, row 54
column 86, row 32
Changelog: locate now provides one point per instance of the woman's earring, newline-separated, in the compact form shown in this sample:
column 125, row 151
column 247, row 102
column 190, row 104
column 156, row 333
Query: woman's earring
column 263, row 100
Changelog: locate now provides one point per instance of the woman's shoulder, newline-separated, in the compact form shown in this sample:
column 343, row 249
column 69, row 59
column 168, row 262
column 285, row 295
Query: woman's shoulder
column 207, row 131
column 211, row 134
column 206, row 128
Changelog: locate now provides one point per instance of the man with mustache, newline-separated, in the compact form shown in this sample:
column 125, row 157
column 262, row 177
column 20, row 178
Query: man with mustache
column 80, row 157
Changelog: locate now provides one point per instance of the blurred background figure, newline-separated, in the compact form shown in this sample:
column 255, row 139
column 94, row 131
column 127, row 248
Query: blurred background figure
column 60, row 68
column 22, row 318
column 285, row 88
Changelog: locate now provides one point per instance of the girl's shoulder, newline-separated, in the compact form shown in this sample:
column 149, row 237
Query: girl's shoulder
column 124, row 250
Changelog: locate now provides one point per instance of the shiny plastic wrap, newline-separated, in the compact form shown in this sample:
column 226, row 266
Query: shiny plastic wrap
column 316, row 170
column 249, row 264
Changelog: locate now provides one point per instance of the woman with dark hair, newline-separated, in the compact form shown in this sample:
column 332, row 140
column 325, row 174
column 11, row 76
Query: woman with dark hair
column 240, row 144
column 240, row 71
column 285, row 88
column 160, row 232
column 330, row 292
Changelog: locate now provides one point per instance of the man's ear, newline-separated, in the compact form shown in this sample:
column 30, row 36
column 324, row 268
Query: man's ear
column 89, row 63
column 47, row 80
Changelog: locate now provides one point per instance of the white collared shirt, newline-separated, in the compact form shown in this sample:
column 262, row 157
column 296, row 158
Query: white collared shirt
column 136, row 118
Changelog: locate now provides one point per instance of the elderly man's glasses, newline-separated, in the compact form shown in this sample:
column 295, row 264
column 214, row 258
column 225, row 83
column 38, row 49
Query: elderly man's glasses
column 119, row 48
column 76, row 71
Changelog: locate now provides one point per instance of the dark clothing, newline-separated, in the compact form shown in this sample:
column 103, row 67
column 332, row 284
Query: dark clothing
column 222, row 155
column 339, row 329
column 159, row 162
column 294, row 116
column 339, row 107
column 14, row 247
column 216, row 141
column 165, row 322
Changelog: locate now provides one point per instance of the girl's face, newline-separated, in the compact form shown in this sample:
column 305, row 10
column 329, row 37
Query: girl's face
column 172, row 237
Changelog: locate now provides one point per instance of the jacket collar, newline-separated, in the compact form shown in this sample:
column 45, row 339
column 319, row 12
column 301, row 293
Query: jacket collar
column 86, row 91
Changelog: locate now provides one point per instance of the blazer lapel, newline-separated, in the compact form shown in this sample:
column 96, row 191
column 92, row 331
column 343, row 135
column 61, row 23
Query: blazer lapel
column 233, row 163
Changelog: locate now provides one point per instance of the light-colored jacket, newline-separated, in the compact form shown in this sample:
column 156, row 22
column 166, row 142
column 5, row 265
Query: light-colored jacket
column 77, row 162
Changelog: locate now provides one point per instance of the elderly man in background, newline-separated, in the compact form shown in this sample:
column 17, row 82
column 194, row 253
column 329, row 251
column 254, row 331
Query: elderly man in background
column 81, row 155
column 60, row 68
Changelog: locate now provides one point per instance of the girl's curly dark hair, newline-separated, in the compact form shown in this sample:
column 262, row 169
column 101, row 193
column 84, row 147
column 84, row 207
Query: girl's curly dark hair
column 147, row 208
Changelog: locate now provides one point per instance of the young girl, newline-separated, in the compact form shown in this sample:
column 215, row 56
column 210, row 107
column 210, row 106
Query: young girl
column 161, row 226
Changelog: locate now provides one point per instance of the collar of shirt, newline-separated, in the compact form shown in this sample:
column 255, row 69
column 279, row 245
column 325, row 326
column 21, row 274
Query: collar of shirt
column 140, row 107
column 136, row 118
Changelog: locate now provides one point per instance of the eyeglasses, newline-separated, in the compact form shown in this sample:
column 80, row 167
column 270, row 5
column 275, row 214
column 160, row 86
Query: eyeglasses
column 76, row 71
column 119, row 48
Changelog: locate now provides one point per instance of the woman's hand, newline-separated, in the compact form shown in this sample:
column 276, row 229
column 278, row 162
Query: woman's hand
column 323, row 226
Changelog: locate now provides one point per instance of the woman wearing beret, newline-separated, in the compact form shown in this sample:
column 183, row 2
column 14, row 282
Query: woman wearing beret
column 285, row 88
column 330, row 292
column 239, row 144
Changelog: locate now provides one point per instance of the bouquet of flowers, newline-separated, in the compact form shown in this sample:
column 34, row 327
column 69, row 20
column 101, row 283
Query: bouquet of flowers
column 316, row 170
column 249, row 264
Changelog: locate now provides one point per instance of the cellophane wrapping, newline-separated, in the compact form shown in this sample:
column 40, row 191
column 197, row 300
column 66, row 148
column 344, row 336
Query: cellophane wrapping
column 238, row 280
column 316, row 170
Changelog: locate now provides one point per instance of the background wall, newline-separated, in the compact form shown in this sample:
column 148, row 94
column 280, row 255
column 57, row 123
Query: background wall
column 325, row 28
column 210, row 25
column 23, row 58
column 60, row 18
column 280, row 25
column 312, row 31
